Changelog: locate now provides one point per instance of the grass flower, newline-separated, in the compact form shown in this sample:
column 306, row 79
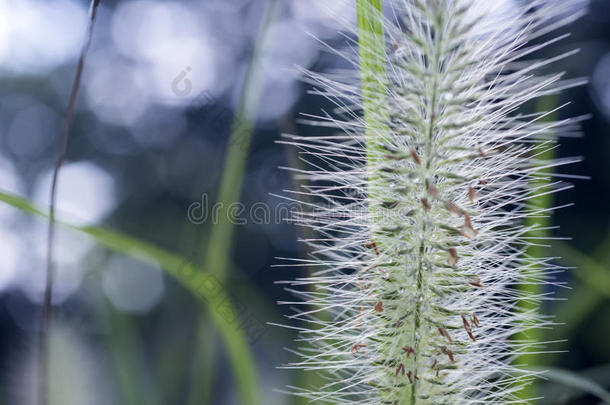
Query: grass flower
column 418, row 203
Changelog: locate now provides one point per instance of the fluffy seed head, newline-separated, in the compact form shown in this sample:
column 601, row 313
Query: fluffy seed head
column 419, row 217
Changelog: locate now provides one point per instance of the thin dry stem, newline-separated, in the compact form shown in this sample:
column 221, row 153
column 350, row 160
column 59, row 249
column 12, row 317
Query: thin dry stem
column 45, row 320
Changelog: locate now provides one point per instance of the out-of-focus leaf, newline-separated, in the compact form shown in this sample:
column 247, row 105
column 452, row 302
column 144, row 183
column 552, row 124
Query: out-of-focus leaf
column 218, row 249
column 201, row 284
column 582, row 301
column 595, row 275
column 584, row 297
column 539, row 229
column 127, row 357
column 567, row 385
column 570, row 315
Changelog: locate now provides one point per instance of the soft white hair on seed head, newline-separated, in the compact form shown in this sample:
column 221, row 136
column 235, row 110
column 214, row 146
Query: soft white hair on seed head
column 419, row 222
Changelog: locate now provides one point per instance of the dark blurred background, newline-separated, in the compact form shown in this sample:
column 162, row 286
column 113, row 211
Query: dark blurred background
column 161, row 88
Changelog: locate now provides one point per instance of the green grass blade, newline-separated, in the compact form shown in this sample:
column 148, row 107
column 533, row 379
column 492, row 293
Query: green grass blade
column 371, row 41
column 532, row 287
column 218, row 248
column 202, row 285
column 588, row 293
column 577, row 382
column 592, row 273
column 127, row 358
column 202, row 364
column 583, row 301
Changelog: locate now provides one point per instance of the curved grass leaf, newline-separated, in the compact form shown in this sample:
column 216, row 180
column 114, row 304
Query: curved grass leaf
column 201, row 284
column 576, row 383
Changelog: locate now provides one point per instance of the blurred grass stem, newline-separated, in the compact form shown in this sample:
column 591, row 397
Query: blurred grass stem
column 539, row 230
column 45, row 318
column 218, row 249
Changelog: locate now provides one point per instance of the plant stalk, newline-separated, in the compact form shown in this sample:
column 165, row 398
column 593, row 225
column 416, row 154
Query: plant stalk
column 45, row 319
column 532, row 287
column 219, row 244
column 371, row 40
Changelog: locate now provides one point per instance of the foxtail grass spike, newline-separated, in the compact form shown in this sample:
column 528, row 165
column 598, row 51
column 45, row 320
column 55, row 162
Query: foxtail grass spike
column 419, row 204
